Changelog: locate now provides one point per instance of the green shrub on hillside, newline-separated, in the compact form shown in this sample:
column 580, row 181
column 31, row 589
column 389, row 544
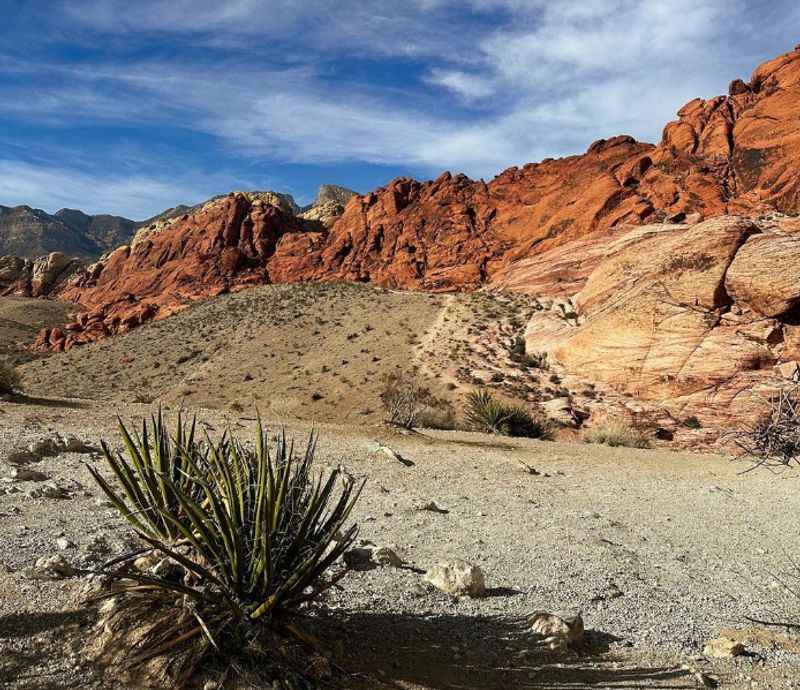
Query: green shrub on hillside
column 483, row 412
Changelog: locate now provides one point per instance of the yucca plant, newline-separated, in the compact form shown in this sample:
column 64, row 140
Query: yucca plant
column 249, row 535
column 483, row 412
column 157, row 467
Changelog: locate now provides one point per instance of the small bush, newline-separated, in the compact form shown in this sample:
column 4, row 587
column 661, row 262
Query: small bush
column 9, row 379
column 485, row 413
column 617, row 434
column 774, row 440
column 246, row 534
column 410, row 404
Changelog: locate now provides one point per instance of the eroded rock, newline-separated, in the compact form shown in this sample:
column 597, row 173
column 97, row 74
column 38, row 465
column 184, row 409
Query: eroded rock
column 457, row 578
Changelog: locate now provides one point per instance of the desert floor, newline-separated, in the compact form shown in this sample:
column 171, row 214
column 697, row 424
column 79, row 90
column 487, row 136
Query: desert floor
column 660, row 550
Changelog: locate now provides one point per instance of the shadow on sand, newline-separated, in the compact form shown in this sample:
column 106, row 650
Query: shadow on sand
column 33, row 670
column 22, row 399
column 399, row 652
column 479, row 653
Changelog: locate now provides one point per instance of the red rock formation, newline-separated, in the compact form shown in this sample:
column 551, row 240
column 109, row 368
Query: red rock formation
column 731, row 154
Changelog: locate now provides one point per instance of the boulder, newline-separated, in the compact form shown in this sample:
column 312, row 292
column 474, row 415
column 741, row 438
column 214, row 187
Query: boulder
column 765, row 275
column 556, row 630
column 723, row 648
column 457, row 578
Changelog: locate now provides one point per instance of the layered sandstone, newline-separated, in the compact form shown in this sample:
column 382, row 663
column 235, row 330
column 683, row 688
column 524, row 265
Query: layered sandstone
column 686, row 318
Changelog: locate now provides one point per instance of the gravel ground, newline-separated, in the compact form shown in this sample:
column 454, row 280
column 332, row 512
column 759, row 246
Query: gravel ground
column 660, row 550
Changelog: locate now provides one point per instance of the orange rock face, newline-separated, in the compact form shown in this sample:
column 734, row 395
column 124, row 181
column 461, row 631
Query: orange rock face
column 734, row 154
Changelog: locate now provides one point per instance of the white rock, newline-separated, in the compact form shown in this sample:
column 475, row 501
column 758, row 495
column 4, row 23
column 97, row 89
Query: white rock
column 51, row 568
column 458, row 578
column 63, row 543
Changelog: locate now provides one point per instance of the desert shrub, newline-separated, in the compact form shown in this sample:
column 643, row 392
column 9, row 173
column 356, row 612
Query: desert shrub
column 483, row 412
column 616, row 433
column 774, row 440
column 248, row 534
column 407, row 402
column 9, row 379
column 439, row 415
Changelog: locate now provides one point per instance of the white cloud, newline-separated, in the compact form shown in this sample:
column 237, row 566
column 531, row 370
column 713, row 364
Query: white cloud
column 470, row 87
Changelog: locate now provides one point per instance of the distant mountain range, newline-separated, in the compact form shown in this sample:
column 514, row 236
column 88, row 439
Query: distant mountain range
column 29, row 233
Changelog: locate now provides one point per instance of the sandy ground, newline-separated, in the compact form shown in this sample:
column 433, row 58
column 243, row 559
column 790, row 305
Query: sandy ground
column 312, row 351
column 660, row 550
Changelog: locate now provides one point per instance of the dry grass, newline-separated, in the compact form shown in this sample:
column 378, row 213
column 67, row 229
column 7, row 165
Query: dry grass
column 616, row 433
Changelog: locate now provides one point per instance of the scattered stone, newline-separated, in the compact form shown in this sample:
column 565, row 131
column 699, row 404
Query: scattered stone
column 73, row 444
column 63, row 544
column 50, row 568
column 46, row 447
column 359, row 558
column 433, row 507
column 557, row 630
column 458, row 578
column 723, row 648
column 53, row 490
column 610, row 592
column 529, row 468
column 168, row 569
column 393, row 454
column 146, row 562
column 385, row 556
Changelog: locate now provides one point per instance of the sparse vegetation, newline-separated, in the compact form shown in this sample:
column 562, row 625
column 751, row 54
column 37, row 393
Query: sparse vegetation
column 409, row 403
column 247, row 535
column 9, row 379
column 774, row 440
column 483, row 412
column 616, row 433
column 692, row 422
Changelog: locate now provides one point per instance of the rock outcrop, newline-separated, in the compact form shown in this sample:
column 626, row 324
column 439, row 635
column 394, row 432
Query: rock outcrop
column 36, row 277
column 688, row 318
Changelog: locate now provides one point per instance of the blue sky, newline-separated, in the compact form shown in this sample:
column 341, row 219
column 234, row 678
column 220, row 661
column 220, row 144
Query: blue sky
column 132, row 107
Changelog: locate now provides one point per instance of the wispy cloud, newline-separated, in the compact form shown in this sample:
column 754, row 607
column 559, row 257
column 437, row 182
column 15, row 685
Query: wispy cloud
column 52, row 187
